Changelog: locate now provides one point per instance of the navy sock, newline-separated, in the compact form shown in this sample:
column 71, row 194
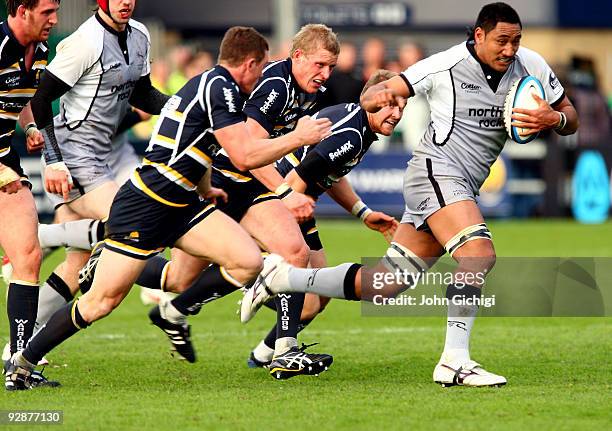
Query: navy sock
column 288, row 311
column 270, row 339
column 151, row 275
column 21, row 307
column 66, row 322
column 211, row 284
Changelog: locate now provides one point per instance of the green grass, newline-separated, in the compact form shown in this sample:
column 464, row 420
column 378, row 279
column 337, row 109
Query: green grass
column 119, row 375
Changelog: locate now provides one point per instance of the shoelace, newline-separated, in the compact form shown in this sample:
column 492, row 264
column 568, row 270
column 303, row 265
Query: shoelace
column 306, row 346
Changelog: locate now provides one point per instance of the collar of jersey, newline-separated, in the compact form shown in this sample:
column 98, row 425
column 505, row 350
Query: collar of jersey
column 111, row 30
column 13, row 39
column 369, row 135
column 488, row 70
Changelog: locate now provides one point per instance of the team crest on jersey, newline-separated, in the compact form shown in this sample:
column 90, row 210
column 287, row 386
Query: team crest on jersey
column 229, row 99
column 269, row 101
column 554, row 83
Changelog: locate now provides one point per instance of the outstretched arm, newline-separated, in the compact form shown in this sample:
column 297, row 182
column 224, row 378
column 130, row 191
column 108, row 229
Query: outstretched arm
column 386, row 93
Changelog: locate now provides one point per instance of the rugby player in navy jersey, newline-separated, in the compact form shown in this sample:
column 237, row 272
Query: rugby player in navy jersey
column 443, row 178
column 313, row 171
column 266, row 208
column 23, row 57
column 161, row 205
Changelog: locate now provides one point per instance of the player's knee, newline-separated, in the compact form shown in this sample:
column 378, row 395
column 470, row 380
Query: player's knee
column 103, row 307
column 26, row 264
column 298, row 254
column 248, row 267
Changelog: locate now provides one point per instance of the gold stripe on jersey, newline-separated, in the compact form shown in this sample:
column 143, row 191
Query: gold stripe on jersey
column 9, row 133
column 5, row 151
column 18, row 92
column 173, row 175
column 234, row 176
column 292, row 159
column 131, row 249
column 11, row 69
column 164, row 139
column 8, row 115
column 199, row 156
column 137, row 181
column 40, row 64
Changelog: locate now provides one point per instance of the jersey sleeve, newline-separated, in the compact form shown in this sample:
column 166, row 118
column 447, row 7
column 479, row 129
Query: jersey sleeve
column 75, row 55
column 267, row 102
column 421, row 75
column 222, row 103
column 339, row 149
column 537, row 66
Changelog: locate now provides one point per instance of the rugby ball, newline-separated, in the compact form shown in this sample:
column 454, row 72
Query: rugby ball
column 520, row 96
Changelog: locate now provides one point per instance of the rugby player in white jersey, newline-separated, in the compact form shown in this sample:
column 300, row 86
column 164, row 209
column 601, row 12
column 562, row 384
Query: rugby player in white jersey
column 444, row 176
column 98, row 71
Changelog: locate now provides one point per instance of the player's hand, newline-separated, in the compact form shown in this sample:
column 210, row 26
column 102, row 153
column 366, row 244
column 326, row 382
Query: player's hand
column 535, row 120
column 300, row 205
column 382, row 223
column 58, row 179
column 34, row 140
column 312, row 131
column 382, row 98
column 214, row 194
column 9, row 180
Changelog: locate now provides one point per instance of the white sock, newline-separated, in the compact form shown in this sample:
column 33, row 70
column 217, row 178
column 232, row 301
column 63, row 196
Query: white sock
column 458, row 327
column 170, row 313
column 323, row 281
column 281, row 345
column 49, row 301
column 75, row 234
column 262, row 352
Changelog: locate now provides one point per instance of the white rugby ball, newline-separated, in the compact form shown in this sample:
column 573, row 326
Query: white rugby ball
column 520, row 96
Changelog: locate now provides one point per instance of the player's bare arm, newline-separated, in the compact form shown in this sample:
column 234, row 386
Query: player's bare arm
column 386, row 93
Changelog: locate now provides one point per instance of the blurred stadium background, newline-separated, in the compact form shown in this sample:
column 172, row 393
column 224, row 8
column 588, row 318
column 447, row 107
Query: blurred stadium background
column 550, row 177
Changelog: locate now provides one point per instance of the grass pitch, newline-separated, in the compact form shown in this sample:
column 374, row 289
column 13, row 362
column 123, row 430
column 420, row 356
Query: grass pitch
column 118, row 374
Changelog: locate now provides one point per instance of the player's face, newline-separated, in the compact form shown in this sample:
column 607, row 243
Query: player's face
column 121, row 10
column 253, row 73
column 497, row 47
column 40, row 20
column 385, row 120
column 313, row 69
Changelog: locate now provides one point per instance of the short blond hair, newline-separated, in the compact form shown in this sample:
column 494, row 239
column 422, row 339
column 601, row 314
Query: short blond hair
column 314, row 36
column 377, row 77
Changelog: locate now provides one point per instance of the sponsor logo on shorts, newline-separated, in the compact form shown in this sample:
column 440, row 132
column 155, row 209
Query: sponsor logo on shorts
column 229, row 99
column 345, row 148
column 424, row 204
column 269, row 101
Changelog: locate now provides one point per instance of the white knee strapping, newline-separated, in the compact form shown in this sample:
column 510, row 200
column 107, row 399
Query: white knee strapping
column 403, row 260
column 470, row 233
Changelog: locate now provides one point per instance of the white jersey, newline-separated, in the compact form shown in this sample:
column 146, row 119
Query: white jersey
column 102, row 67
column 466, row 132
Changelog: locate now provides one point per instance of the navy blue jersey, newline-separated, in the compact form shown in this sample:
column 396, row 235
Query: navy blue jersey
column 277, row 103
column 319, row 166
column 17, row 85
column 183, row 145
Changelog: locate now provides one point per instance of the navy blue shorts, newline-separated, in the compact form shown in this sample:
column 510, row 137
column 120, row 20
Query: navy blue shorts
column 140, row 227
column 241, row 195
